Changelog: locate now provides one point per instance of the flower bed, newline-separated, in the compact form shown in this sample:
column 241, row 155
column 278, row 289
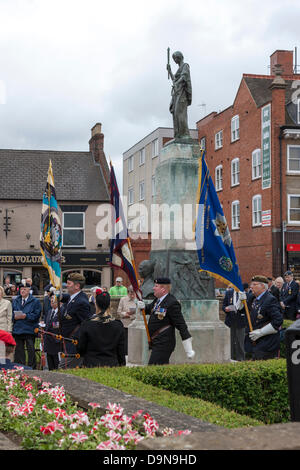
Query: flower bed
column 47, row 419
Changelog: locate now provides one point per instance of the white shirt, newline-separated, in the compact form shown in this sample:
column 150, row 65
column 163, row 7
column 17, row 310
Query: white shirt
column 160, row 300
column 73, row 296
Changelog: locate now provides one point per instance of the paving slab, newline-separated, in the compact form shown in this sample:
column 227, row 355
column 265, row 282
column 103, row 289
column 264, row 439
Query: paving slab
column 7, row 444
column 84, row 391
column 273, row 437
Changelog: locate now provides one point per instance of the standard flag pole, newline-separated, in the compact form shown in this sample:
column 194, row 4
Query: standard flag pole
column 214, row 244
column 51, row 236
column 121, row 255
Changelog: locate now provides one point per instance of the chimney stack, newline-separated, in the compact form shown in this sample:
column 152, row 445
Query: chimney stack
column 96, row 144
column 285, row 59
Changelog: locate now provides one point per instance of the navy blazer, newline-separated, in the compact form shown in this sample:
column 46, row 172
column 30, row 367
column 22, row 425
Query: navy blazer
column 73, row 314
column 288, row 296
column 51, row 344
column 173, row 317
column 265, row 310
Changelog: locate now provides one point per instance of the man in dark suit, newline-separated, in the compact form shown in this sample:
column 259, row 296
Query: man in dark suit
column 164, row 316
column 288, row 296
column 266, row 319
column 51, row 344
column 75, row 311
column 235, row 320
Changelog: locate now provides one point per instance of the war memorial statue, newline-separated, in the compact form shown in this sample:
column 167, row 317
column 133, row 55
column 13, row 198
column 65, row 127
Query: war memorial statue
column 176, row 184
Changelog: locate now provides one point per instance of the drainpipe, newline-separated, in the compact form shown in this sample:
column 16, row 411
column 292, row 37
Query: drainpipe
column 280, row 205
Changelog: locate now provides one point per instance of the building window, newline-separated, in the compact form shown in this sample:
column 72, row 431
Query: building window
column 256, row 164
column 73, row 229
column 203, row 143
column 130, row 163
column 219, row 178
column 235, row 128
column 294, row 209
column 142, row 156
column 155, row 148
column 235, row 172
column 293, row 158
column 153, row 185
column 218, row 140
column 298, row 111
column 256, row 210
column 235, row 215
column 142, row 190
column 130, row 196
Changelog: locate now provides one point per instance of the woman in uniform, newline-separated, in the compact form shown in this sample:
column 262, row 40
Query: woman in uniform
column 101, row 339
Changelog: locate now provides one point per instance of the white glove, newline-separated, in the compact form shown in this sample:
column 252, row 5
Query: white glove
column 187, row 345
column 140, row 304
column 52, row 289
column 242, row 295
column 266, row 330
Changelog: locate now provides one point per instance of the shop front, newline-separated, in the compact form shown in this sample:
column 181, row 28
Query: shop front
column 93, row 265
column 293, row 258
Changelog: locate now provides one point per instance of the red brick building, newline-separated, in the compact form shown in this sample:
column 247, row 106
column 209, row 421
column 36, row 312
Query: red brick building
column 253, row 154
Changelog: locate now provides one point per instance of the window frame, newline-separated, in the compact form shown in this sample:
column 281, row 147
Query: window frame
column 154, row 148
column 219, row 141
column 256, row 197
column 130, row 191
column 292, row 222
column 291, row 172
column 233, row 174
column 254, row 153
column 130, row 163
column 235, row 203
column 142, row 153
column 235, row 129
column 73, row 229
column 142, row 185
column 219, row 179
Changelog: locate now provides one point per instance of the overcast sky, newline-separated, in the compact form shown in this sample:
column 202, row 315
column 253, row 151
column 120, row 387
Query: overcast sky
column 67, row 64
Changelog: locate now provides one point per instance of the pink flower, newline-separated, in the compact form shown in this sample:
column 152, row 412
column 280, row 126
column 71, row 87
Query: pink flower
column 138, row 413
column 59, row 413
column 78, row 437
column 95, row 405
column 115, row 409
column 132, row 436
column 49, row 429
column 183, row 433
column 109, row 445
column 114, row 436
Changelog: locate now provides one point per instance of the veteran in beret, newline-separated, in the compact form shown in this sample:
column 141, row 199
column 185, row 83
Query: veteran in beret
column 266, row 319
column 288, row 296
column 164, row 316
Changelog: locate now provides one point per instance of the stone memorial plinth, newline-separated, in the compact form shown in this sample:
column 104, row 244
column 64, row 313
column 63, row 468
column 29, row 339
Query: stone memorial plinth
column 173, row 254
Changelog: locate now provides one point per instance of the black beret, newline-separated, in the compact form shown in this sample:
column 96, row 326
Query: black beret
column 288, row 273
column 162, row 280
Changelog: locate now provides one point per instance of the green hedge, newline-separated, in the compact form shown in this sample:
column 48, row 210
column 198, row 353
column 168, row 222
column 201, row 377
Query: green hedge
column 121, row 379
column 285, row 325
column 257, row 389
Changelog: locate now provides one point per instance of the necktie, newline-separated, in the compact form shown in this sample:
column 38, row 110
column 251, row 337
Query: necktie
column 23, row 302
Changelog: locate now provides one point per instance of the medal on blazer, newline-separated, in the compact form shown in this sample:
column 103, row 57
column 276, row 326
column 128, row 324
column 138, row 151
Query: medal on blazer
column 161, row 313
column 290, row 291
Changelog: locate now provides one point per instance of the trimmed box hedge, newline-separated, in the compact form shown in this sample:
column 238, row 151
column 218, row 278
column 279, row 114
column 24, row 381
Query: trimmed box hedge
column 257, row 389
column 121, row 379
